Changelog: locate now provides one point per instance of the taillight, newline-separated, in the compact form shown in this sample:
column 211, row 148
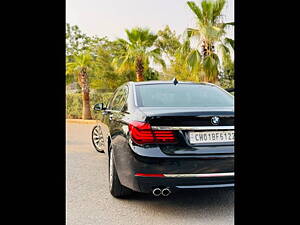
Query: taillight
column 141, row 133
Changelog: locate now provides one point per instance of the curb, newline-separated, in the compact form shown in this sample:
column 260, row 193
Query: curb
column 79, row 121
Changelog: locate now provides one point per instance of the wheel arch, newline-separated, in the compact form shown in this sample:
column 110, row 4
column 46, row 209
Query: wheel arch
column 108, row 144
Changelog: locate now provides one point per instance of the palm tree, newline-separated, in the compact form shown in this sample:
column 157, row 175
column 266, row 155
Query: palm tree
column 80, row 65
column 178, row 67
column 137, row 52
column 210, row 32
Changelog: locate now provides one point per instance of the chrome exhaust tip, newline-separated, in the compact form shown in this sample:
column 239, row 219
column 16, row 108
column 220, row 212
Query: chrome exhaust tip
column 166, row 192
column 156, row 192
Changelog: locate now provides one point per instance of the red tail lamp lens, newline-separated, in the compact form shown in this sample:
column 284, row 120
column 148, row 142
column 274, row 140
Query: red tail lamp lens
column 141, row 133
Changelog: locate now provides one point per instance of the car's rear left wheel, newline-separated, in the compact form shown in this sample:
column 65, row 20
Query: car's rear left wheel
column 97, row 139
column 116, row 188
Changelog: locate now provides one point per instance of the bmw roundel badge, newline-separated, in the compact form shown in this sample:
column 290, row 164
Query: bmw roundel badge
column 215, row 120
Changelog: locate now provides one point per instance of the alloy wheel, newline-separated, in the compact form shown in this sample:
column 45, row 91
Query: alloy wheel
column 98, row 140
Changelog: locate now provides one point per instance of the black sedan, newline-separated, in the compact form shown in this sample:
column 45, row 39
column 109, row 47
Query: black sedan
column 163, row 136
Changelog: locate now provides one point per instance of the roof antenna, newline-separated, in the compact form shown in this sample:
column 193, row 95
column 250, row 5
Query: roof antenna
column 175, row 81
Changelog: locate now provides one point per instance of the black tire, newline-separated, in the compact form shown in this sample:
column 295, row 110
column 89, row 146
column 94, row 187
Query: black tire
column 116, row 188
column 98, row 146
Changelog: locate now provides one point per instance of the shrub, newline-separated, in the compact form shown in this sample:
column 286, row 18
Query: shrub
column 74, row 103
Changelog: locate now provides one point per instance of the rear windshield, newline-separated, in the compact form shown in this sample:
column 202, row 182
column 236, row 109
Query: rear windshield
column 182, row 95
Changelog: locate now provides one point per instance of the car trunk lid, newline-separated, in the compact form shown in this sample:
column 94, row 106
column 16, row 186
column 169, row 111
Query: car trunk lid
column 187, row 116
column 184, row 120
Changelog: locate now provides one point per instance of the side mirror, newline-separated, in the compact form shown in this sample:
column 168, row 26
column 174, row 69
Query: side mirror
column 99, row 107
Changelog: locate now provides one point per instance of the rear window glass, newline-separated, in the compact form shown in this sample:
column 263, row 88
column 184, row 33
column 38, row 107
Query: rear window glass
column 182, row 95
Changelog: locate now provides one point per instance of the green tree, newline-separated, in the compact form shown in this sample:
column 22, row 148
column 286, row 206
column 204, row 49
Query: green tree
column 137, row 52
column 80, row 66
column 104, row 75
column 77, row 42
column 168, row 42
column 209, row 33
column 176, row 53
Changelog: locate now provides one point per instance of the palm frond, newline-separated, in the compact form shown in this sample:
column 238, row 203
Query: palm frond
column 223, row 49
column 217, row 9
column 155, row 54
column 195, row 9
column 190, row 32
column 229, row 41
column 193, row 59
column 210, row 66
column 141, row 36
column 131, row 35
column 207, row 11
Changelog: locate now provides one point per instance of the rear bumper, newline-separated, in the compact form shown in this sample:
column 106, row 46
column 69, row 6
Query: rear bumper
column 147, row 184
column 179, row 172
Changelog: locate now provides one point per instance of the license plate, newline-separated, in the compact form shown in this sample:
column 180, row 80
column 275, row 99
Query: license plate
column 211, row 136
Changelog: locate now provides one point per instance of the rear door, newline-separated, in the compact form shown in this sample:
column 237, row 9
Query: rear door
column 116, row 111
column 108, row 112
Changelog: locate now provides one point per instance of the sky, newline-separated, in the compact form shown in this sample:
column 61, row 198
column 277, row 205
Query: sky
column 110, row 18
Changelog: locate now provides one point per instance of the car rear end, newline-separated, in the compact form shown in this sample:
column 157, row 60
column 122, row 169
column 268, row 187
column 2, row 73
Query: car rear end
column 180, row 142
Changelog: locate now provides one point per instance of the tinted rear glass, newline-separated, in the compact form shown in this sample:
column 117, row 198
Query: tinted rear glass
column 182, row 95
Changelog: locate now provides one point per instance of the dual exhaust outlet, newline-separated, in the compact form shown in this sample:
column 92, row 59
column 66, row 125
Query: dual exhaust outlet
column 164, row 192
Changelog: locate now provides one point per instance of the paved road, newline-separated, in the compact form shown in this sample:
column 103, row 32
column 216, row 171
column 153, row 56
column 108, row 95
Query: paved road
column 89, row 201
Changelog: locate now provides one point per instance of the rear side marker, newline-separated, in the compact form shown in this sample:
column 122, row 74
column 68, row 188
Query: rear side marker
column 148, row 175
column 231, row 174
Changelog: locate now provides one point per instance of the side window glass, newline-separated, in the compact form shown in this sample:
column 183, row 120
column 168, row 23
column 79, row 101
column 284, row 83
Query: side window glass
column 120, row 99
column 112, row 101
column 116, row 101
column 125, row 107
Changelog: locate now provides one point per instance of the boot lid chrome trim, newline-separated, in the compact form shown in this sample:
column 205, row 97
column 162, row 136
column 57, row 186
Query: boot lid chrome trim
column 193, row 128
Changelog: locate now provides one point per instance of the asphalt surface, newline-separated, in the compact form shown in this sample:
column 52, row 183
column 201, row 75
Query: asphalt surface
column 90, row 203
